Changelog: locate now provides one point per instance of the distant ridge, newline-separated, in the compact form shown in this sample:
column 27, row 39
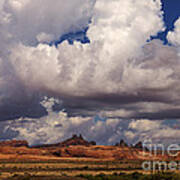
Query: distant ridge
column 76, row 147
column 14, row 143
column 73, row 141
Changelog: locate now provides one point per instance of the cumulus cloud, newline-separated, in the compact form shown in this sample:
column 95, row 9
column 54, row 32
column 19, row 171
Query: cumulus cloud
column 30, row 20
column 111, row 67
column 145, row 126
column 30, row 23
column 157, row 131
column 118, row 75
column 174, row 36
column 118, row 67
column 85, row 82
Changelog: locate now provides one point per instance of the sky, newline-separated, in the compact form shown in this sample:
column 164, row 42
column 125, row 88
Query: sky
column 106, row 69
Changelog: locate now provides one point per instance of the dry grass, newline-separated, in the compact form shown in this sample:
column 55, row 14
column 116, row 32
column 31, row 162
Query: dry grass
column 63, row 166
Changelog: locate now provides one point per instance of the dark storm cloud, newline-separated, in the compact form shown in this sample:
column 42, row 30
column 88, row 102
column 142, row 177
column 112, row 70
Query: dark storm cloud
column 163, row 115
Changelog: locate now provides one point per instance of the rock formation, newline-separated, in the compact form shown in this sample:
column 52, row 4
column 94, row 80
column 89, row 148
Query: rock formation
column 76, row 140
column 73, row 141
column 122, row 143
column 139, row 145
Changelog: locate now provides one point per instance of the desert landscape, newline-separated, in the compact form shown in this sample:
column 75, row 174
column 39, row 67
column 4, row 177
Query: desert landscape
column 75, row 158
column 85, row 86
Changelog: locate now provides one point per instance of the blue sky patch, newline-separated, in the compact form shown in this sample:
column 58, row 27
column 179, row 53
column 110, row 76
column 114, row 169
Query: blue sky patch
column 171, row 10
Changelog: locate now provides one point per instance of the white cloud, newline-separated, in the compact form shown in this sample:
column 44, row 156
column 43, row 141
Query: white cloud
column 174, row 36
column 29, row 18
column 107, row 65
column 144, row 125
column 158, row 131
column 119, row 71
column 45, row 38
